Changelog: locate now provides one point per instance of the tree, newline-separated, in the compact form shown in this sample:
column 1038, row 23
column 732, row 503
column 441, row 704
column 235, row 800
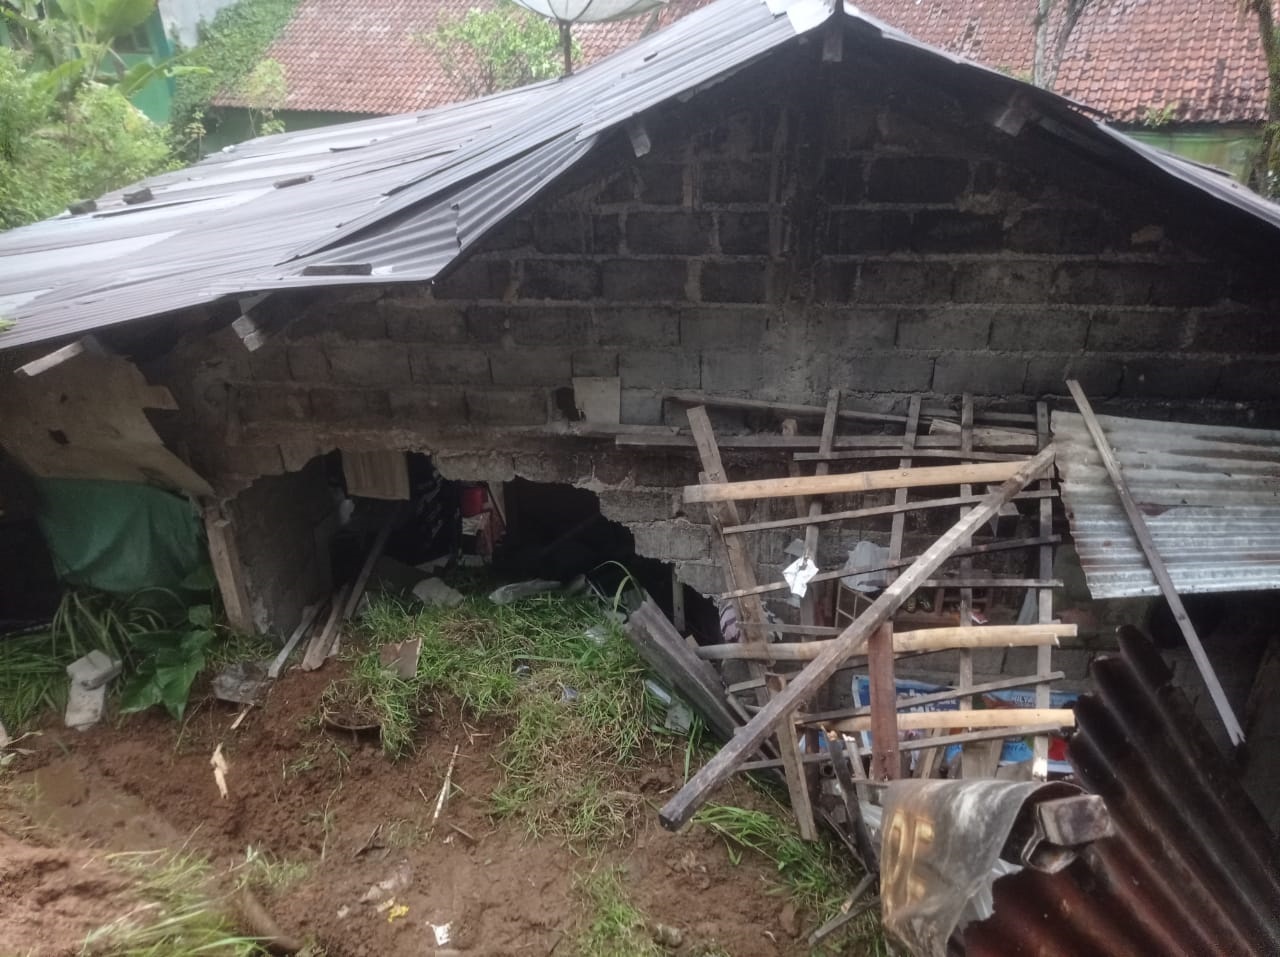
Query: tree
column 1265, row 177
column 1055, row 21
column 58, row 148
column 496, row 49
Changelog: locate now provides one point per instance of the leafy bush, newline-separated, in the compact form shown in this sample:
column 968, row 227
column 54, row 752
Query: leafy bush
column 55, row 151
column 498, row 49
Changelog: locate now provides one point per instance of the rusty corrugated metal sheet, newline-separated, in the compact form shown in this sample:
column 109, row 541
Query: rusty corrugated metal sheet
column 1192, row 869
column 1210, row 495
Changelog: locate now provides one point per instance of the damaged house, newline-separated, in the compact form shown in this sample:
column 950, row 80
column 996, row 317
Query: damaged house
column 758, row 205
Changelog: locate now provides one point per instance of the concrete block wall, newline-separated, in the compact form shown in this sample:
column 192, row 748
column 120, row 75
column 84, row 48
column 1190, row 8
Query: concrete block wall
column 797, row 227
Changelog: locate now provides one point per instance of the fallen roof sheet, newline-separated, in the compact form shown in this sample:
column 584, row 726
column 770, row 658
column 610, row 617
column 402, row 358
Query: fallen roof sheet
column 1210, row 496
column 1192, row 868
column 404, row 198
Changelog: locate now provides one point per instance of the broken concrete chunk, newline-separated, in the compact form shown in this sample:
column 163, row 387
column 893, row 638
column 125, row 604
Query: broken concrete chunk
column 85, row 706
column 433, row 591
column 93, row 670
column 401, row 657
column 242, row 682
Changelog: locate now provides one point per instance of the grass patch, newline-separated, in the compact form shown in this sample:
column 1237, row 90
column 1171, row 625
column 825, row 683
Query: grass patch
column 33, row 679
column 262, row 871
column 615, row 927
column 178, row 917
column 817, row 875
column 578, row 718
column 372, row 695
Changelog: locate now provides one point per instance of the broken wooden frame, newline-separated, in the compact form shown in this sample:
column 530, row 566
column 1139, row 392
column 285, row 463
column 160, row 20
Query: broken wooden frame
column 782, row 705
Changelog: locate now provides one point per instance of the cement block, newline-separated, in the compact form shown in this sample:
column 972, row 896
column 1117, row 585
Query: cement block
column 944, row 328
column 841, row 180
column 548, row 366
column 1167, row 378
column 85, row 706
column 737, row 281
column 506, row 407
column 475, row 279
column 433, row 365
column 1129, row 330
column 903, row 282
column 93, row 670
column 983, row 373
column 856, row 231
column 1040, row 330
column 736, row 181
column 744, row 234
column 723, row 328
column 677, row 231
column 576, row 232
column 637, row 326
column 917, row 179
column 368, row 363
column 594, row 362
column 660, row 369
column 953, row 231
column 559, row 279
column 645, row 279
column 641, row 406
column 1008, row 280
column 661, row 184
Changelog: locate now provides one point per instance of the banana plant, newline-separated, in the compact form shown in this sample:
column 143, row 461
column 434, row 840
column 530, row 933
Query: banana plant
column 72, row 42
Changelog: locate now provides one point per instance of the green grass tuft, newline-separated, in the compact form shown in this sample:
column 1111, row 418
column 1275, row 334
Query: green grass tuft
column 615, row 927
column 178, row 916
column 579, row 721
column 818, row 875
column 33, row 679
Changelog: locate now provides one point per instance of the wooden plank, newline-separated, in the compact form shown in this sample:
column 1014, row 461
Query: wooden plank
column 780, row 408
column 752, row 618
column 658, row 642
column 874, row 511
column 371, row 559
column 946, row 740
column 1139, row 524
column 904, row 642
column 677, row 600
column 886, row 761
column 808, row 604
column 883, row 479
column 308, row 617
column 224, row 555
column 835, row 573
column 964, row 669
column 1044, row 602
column 843, row 455
column 321, row 644
column 917, row 701
column 382, row 474
column 852, row 809
column 988, row 718
column 682, row 805
column 789, row 428
column 85, row 344
column 665, row 438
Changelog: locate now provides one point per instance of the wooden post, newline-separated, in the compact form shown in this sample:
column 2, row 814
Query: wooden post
column 751, row 617
column 681, row 807
column 1044, row 602
column 886, row 761
column 224, row 555
column 964, row 674
column 1158, row 568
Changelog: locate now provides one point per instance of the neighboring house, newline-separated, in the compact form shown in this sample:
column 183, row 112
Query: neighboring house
column 351, row 59
column 1185, row 75
column 172, row 22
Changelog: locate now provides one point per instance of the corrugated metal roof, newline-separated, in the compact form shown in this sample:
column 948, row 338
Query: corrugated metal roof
column 1210, row 496
column 409, row 195
column 1192, row 869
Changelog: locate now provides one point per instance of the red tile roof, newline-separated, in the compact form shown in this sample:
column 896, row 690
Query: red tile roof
column 363, row 56
column 1195, row 61
column 1191, row 61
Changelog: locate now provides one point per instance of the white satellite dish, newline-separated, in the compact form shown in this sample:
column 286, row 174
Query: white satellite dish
column 568, row 12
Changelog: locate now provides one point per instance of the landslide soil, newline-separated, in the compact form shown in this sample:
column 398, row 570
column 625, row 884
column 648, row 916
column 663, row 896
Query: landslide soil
column 332, row 802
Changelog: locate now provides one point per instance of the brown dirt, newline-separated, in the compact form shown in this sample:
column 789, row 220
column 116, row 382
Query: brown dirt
column 334, row 803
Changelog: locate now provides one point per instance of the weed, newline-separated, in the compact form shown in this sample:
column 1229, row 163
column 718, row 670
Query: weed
column 816, row 874
column 579, row 721
column 375, row 696
column 263, row 871
column 179, row 917
column 32, row 679
column 616, row 928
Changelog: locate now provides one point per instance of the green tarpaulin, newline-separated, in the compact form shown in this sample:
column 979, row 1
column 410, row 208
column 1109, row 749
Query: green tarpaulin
column 119, row 536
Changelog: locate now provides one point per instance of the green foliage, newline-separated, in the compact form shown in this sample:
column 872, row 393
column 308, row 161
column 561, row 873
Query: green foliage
column 816, row 874
column 576, row 709
column 265, row 90
column 373, row 695
column 56, row 150
column 497, row 49
column 615, row 927
column 167, row 664
column 230, row 48
column 31, row 679
column 179, row 915
column 1156, row 117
